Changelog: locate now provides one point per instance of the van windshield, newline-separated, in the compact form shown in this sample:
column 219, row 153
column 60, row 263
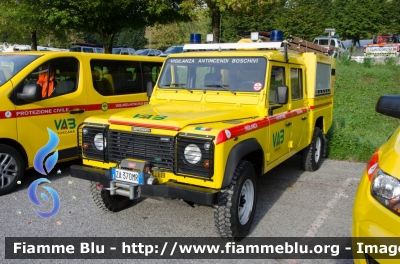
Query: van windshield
column 11, row 64
column 214, row 73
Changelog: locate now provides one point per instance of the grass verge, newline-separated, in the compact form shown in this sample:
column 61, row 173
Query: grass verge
column 357, row 130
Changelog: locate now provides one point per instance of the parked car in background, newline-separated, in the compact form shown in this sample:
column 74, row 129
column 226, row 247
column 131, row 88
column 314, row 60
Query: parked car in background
column 172, row 49
column 148, row 52
column 376, row 210
column 335, row 44
column 86, row 47
column 123, row 50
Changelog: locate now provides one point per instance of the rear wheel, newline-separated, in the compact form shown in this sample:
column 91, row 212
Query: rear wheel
column 235, row 210
column 12, row 169
column 312, row 155
column 107, row 202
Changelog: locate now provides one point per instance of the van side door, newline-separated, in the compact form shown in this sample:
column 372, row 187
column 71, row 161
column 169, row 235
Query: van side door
column 61, row 107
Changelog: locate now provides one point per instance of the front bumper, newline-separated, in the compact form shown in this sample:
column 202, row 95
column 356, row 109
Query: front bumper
column 173, row 190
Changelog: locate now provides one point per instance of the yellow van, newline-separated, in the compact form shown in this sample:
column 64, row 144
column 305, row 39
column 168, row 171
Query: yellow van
column 55, row 91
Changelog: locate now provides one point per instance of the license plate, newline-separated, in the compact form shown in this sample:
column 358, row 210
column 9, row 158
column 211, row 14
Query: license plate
column 127, row 176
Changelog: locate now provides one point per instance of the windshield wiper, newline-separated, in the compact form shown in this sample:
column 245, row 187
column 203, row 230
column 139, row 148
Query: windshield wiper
column 180, row 85
column 225, row 87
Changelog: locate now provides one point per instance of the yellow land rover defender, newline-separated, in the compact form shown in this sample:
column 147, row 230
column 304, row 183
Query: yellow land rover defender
column 220, row 115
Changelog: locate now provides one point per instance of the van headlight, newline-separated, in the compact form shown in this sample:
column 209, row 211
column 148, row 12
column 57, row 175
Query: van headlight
column 192, row 153
column 386, row 189
column 99, row 141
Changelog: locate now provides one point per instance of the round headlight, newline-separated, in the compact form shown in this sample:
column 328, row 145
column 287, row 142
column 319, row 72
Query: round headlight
column 98, row 141
column 192, row 153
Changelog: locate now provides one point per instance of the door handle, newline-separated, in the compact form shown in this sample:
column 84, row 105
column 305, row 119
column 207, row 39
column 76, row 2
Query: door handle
column 78, row 111
column 288, row 124
column 304, row 118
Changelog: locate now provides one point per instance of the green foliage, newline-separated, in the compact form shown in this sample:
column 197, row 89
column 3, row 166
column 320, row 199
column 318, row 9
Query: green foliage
column 391, row 62
column 357, row 130
column 134, row 38
column 359, row 19
column 345, row 58
column 368, row 61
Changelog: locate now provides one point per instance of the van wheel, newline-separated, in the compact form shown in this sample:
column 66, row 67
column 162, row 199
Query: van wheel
column 312, row 155
column 234, row 213
column 12, row 169
column 107, row 202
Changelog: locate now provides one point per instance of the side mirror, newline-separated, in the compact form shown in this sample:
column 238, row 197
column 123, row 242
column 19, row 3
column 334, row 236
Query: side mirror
column 31, row 93
column 389, row 105
column 282, row 93
column 282, row 98
column 149, row 86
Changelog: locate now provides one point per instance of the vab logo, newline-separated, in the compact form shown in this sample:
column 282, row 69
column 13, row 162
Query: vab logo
column 278, row 137
column 43, row 153
column 147, row 116
column 34, row 199
column 65, row 123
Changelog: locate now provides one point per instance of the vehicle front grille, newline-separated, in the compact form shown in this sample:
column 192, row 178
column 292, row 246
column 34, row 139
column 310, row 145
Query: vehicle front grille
column 155, row 148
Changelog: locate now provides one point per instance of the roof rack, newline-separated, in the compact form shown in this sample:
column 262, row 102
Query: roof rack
column 302, row 45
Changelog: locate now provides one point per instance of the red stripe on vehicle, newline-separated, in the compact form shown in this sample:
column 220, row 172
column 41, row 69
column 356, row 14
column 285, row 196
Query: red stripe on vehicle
column 318, row 106
column 116, row 122
column 65, row 109
column 242, row 129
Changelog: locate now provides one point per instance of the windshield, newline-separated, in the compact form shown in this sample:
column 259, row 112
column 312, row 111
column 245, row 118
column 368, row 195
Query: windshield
column 223, row 73
column 174, row 49
column 11, row 64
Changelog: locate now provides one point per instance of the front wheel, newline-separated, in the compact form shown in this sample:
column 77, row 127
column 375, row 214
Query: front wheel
column 107, row 202
column 12, row 169
column 312, row 155
column 235, row 210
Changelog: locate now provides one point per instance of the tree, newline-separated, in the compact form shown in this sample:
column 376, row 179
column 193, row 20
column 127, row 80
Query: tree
column 255, row 18
column 358, row 19
column 305, row 18
column 163, row 36
column 217, row 7
column 131, row 38
column 107, row 18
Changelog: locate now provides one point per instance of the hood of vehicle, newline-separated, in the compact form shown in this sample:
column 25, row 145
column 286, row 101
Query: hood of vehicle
column 389, row 160
column 176, row 117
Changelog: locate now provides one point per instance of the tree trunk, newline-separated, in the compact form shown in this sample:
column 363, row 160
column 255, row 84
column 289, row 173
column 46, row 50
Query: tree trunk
column 215, row 24
column 33, row 40
column 107, row 38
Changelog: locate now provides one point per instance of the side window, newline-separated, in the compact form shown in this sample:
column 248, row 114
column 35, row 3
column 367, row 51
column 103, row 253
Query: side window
column 277, row 78
column 88, row 50
column 295, row 82
column 56, row 77
column 151, row 70
column 110, row 77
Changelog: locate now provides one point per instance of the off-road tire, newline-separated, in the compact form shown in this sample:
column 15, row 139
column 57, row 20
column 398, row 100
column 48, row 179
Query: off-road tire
column 107, row 202
column 226, row 212
column 10, row 160
column 311, row 157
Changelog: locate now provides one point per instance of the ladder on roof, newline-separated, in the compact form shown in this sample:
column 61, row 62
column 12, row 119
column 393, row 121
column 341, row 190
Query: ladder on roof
column 296, row 43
